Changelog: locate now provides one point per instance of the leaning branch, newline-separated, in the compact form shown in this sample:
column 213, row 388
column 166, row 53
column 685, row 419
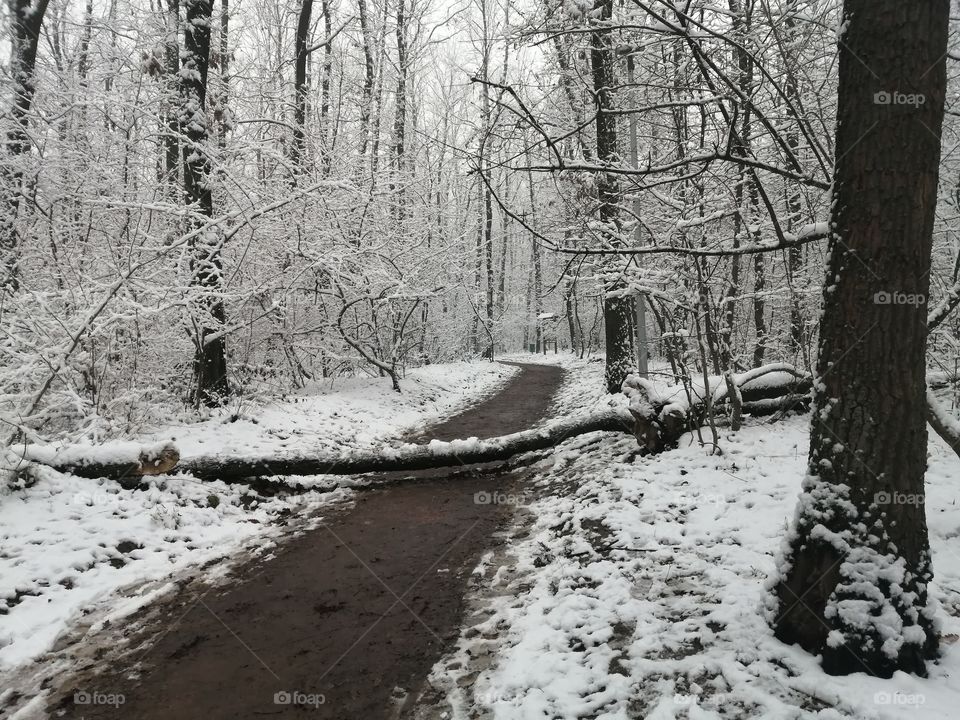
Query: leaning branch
column 812, row 233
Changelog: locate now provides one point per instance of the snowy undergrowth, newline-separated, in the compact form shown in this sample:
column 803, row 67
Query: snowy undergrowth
column 72, row 549
column 638, row 591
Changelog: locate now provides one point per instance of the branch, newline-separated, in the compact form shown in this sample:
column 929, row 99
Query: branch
column 809, row 233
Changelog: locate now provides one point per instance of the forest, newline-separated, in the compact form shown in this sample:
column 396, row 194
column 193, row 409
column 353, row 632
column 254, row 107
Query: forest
column 414, row 359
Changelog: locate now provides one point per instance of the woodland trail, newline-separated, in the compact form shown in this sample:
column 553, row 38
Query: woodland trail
column 346, row 619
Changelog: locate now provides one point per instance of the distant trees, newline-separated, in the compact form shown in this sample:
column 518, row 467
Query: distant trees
column 229, row 186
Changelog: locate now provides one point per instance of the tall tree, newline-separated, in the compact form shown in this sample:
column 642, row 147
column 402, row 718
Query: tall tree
column 171, row 137
column 26, row 19
column 298, row 152
column 210, row 359
column 617, row 308
column 857, row 568
column 368, row 77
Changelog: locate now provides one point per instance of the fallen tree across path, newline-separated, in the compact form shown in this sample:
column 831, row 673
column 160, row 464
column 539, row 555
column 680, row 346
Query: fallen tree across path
column 658, row 416
column 408, row 457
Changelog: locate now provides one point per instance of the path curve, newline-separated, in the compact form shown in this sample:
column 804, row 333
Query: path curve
column 346, row 619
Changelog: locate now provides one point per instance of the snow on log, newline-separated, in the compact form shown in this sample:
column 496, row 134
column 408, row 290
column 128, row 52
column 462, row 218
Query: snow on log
column 943, row 422
column 658, row 415
column 408, row 457
column 118, row 460
column 663, row 413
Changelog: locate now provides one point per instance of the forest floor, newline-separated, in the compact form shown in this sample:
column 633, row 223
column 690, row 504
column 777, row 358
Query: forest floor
column 79, row 557
column 347, row 618
column 593, row 583
column 635, row 587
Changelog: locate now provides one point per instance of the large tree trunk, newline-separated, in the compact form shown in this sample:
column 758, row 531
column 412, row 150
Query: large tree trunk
column 856, row 571
column 26, row 19
column 210, row 362
column 617, row 308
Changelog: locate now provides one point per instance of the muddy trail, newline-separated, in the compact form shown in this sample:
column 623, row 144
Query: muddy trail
column 345, row 620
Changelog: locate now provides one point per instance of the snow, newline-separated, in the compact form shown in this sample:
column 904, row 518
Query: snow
column 629, row 587
column 72, row 548
column 638, row 589
column 114, row 451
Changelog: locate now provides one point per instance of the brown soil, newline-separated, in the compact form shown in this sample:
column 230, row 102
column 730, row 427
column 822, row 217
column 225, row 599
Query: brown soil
column 347, row 618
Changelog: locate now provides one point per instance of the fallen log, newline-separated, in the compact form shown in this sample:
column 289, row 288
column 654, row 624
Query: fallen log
column 409, row 457
column 657, row 416
column 662, row 414
column 126, row 462
column 943, row 422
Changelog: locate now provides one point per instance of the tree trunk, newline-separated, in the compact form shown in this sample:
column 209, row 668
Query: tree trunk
column 26, row 20
column 210, row 363
column 617, row 310
column 171, row 138
column 325, row 84
column 856, row 571
column 298, row 151
column 368, row 65
column 400, row 116
column 794, row 198
column 222, row 114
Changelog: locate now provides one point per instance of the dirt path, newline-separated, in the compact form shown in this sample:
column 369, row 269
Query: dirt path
column 345, row 621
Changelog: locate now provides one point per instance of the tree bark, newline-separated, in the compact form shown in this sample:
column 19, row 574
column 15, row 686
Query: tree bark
column 298, row 150
column 368, row 77
column 794, row 198
column 327, row 134
column 617, row 309
column 210, row 362
column 856, row 570
column 171, row 138
column 26, row 19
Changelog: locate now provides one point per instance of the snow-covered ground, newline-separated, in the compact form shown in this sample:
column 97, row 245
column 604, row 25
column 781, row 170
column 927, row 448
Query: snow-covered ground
column 73, row 549
column 634, row 588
